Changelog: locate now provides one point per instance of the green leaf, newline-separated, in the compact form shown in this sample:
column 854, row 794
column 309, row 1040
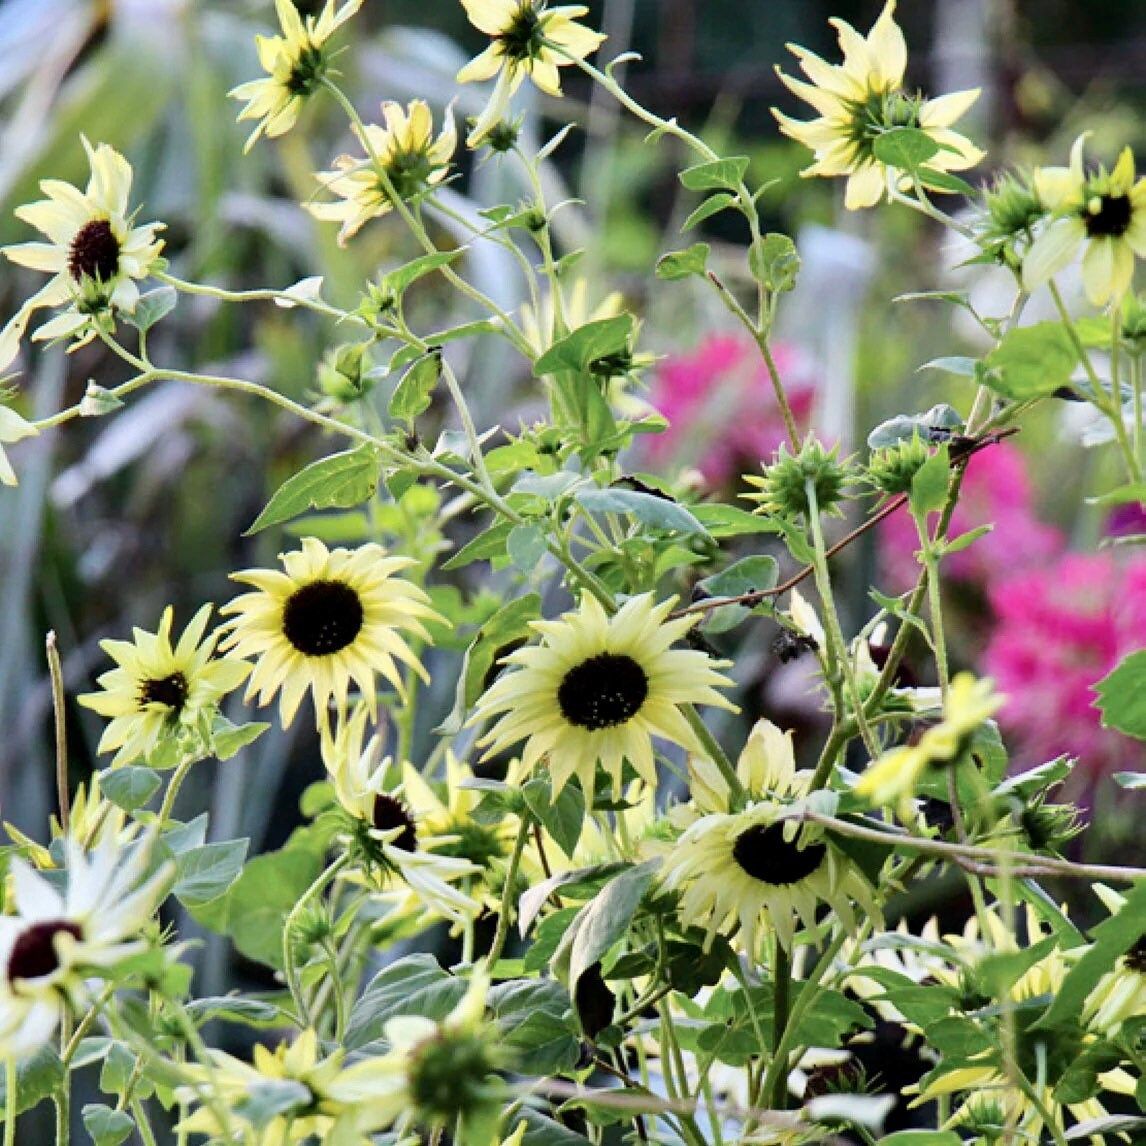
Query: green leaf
column 922, row 1138
column 713, row 205
column 229, row 739
column 730, row 521
column 953, row 364
column 1111, row 939
column 130, row 787
column 929, row 485
column 906, row 148
column 903, row 427
column 339, row 481
column 526, row 545
column 604, row 920
column 716, row 174
column 38, row 1076
column 562, row 818
column 487, row 545
column 682, row 264
column 151, row 307
column 1122, row 696
column 748, row 575
column 1030, row 362
column 415, row 985
column 533, row 1017
column 774, row 262
column 597, row 339
column 509, row 626
column 398, row 280
column 541, row 1130
column 235, row 1009
column 272, row 1098
column 594, row 877
column 935, row 179
column 414, row 393
column 106, row 1126
column 655, row 512
column 207, row 872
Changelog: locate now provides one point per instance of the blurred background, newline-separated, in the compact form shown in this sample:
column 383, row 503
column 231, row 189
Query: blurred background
column 116, row 517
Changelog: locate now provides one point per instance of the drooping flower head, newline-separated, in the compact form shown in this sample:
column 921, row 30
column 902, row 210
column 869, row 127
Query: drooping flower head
column 597, row 689
column 55, row 942
column 1100, row 211
column 95, row 253
column 295, row 62
column 407, row 151
column 386, row 833
column 529, row 39
column 334, row 617
column 861, row 99
column 158, row 689
column 741, row 872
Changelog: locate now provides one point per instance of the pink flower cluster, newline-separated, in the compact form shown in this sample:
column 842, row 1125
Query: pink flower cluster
column 721, row 408
column 1061, row 621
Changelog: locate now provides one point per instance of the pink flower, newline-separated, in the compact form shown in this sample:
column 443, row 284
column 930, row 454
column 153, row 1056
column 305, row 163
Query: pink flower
column 995, row 489
column 722, row 411
column 1059, row 630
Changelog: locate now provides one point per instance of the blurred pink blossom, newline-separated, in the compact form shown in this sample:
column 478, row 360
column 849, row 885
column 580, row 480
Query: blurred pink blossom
column 995, row 489
column 1059, row 629
column 722, row 411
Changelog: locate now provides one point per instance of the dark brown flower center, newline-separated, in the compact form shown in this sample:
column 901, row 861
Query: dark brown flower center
column 764, row 854
column 322, row 618
column 1135, row 958
column 34, row 952
column 94, row 252
column 391, row 813
column 1108, row 215
column 171, row 691
column 603, row 691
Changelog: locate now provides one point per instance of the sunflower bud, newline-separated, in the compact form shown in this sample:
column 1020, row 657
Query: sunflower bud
column 342, row 374
column 784, row 485
column 892, row 469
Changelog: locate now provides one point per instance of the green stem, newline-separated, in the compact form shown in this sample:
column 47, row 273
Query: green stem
column 505, row 909
column 290, row 969
column 267, row 295
column 716, row 754
column 782, row 982
column 934, row 602
column 176, row 782
column 143, row 1123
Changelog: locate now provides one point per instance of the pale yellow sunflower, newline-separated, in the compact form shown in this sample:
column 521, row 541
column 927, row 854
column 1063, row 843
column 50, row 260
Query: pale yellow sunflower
column 13, row 428
column 892, row 779
column 1105, row 213
column 409, row 154
column 597, row 689
column 158, row 689
column 1121, row 993
column 295, row 62
column 333, row 618
column 745, row 871
column 529, row 39
column 95, row 253
column 863, row 97
column 389, row 837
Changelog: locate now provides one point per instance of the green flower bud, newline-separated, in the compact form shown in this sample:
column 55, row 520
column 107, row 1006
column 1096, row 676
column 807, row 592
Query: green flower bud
column 784, row 485
column 892, row 469
column 342, row 374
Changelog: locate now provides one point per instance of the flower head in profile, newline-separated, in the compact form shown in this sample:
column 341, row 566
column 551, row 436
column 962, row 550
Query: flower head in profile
column 863, row 98
column 333, row 617
column 295, row 63
column 597, row 689
column 892, row 779
column 56, row 941
column 741, row 872
column 158, row 689
column 386, row 834
column 437, row 1074
column 95, row 254
column 529, row 39
column 13, row 428
column 1103, row 213
column 406, row 150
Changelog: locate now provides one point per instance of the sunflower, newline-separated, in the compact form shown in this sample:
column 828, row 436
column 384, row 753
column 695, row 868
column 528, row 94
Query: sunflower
column 733, row 869
column 407, row 151
column 158, row 690
column 95, row 254
column 386, row 833
column 1121, row 993
column 295, row 63
column 861, row 99
column 596, row 690
column 529, row 39
column 55, row 942
column 331, row 619
column 13, row 428
column 893, row 777
column 1105, row 212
